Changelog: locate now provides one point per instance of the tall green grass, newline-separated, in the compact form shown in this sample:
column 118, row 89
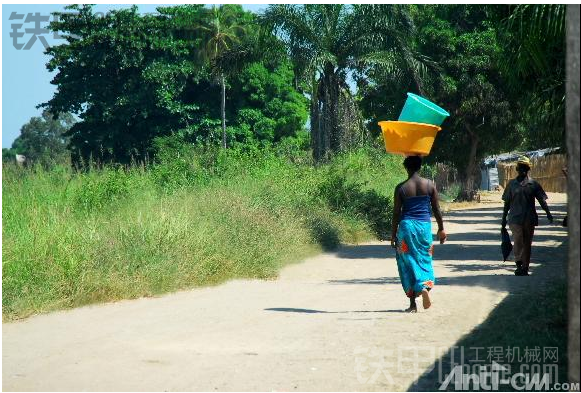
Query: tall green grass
column 196, row 217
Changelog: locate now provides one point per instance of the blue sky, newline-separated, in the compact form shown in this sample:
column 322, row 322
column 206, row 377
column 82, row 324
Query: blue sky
column 25, row 79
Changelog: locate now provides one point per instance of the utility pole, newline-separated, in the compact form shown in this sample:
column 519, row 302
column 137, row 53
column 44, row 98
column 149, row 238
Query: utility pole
column 572, row 121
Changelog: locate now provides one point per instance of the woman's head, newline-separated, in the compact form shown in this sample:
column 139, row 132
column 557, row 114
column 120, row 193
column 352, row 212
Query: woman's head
column 412, row 164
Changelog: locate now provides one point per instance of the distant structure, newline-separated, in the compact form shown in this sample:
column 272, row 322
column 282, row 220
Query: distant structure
column 20, row 159
column 496, row 171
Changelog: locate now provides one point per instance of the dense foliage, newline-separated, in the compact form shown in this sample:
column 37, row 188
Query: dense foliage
column 326, row 43
column 496, row 103
column 131, row 78
column 463, row 41
column 223, row 75
column 534, row 63
column 42, row 140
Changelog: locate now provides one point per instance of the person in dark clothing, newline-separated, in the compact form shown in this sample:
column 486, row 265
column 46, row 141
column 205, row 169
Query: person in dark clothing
column 519, row 207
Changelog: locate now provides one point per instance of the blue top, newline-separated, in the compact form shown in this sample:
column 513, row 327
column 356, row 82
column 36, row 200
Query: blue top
column 416, row 208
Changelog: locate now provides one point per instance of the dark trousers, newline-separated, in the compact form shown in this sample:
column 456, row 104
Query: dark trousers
column 522, row 236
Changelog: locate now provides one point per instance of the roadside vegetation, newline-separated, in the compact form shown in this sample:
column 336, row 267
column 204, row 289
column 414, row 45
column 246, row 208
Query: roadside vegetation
column 196, row 217
column 224, row 143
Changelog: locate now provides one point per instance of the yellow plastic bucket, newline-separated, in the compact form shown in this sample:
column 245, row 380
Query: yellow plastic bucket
column 408, row 138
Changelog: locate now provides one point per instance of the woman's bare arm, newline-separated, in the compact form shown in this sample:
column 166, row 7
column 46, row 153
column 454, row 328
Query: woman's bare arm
column 397, row 203
column 435, row 201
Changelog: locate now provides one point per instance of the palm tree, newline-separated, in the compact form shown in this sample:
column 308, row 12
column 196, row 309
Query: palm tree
column 535, row 59
column 327, row 42
column 222, row 30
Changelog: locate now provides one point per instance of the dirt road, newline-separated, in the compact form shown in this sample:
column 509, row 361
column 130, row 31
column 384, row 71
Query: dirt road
column 333, row 322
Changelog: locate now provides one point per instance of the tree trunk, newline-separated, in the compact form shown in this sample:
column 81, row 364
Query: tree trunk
column 335, row 121
column 326, row 133
column 315, row 113
column 332, row 105
column 353, row 130
column 468, row 193
column 223, row 110
column 572, row 119
column 327, row 119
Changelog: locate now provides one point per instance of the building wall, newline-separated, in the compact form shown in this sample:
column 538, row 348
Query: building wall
column 489, row 179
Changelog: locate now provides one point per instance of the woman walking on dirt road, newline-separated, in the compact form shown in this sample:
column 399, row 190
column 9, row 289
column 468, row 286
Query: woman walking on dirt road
column 412, row 232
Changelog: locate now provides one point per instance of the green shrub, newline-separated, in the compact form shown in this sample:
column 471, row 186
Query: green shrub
column 177, row 165
column 100, row 188
column 348, row 197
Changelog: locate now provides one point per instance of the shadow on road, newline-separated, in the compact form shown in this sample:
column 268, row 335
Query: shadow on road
column 477, row 258
column 454, row 250
column 494, row 235
column 532, row 317
column 448, row 251
column 309, row 311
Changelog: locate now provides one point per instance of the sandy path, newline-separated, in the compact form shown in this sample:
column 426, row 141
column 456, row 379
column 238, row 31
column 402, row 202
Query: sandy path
column 309, row 330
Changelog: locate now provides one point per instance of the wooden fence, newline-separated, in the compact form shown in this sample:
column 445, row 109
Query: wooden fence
column 547, row 170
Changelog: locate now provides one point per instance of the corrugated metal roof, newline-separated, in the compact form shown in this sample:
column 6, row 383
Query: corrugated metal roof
column 512, row 156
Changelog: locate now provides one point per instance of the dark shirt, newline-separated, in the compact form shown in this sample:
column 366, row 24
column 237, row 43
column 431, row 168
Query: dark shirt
column 521, row 198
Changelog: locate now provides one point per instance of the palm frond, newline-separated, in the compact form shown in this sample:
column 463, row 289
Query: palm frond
column 534, row 32
column 535, row 38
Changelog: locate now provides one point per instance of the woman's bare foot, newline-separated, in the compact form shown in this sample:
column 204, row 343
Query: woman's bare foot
column 426, row 302
column 412, row 308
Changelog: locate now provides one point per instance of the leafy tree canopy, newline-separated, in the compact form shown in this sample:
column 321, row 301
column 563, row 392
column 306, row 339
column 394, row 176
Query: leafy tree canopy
column 42, row 139
column 131, row 78
column 534, row 64
column 326, row 42
column 462, row 43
